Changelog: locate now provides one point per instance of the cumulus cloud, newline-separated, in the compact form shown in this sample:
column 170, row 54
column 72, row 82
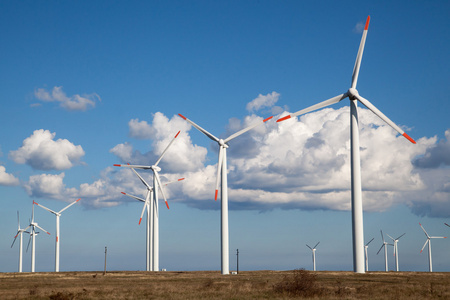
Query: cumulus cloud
column 262, row 101
column 42, row 152
column 6, row 178
column 436, row 156
column 72, row 103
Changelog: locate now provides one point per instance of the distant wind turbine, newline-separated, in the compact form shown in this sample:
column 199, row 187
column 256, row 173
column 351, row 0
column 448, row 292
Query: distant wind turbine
column 33, row 234
column 58, row 239
column 385, row 244
column 353, row 95
column 396, row 249
column 313, row 249
column 149, row 208
column 428, row 241
column 152, row 205
column 222, row 166
column 20, row 232
column 366, row 246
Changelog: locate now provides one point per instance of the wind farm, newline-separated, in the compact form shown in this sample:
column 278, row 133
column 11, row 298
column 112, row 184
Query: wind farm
column 92, row 112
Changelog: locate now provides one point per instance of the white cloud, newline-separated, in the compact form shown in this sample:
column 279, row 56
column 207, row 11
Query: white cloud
column 42, row 152
column 7, row 179
column 140, row 129
column 72, row 103
column 48, row 186
column 261, row 101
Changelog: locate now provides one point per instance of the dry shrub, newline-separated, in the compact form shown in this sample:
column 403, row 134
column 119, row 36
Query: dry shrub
column 301, row 283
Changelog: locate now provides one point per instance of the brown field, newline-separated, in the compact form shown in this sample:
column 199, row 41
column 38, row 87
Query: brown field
column 213, row 285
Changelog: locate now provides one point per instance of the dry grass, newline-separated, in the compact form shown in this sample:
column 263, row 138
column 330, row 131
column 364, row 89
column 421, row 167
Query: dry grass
column 213, row 285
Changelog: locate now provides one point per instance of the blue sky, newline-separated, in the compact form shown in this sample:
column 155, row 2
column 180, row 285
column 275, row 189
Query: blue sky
column 86, row 85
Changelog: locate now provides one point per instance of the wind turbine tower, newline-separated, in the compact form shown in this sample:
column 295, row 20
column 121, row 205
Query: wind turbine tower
column 152, row 206
column 313, row 249
column 33, row 234
column 356, row 189
column 396, row 249
column 385, row 244
column 20, row 232
column 222, row 168
column 428, row 241
column 58, row 239
column 366, row 247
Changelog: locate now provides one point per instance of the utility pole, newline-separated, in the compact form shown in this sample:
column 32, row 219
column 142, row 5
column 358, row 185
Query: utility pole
column 237, row 261
column 104, row 272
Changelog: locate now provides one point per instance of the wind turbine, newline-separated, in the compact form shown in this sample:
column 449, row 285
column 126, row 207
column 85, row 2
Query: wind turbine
column 429, row 246
column 152, row 205
column 313, row 249
column 353, row 95
column 149, row 208
column 366, row 246
column 33, row 234
column 385, row 244
column 396, row 249
column 20, row 232
column 222, row 166
column 57, row 241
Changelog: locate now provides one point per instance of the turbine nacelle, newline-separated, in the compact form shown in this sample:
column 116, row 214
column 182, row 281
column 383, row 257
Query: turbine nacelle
column 352, row 94
column 155, row 168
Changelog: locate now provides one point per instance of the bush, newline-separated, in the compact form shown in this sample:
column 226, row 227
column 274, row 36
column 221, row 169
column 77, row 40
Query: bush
column 301, row 283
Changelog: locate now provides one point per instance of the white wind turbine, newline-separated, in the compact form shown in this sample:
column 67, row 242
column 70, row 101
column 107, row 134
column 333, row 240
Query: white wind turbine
column 33, row 234
column 57, row 240
column 313, row 249
column 385, row 244
column 366, row 247
column 396, row 249
column 428, row 241
column 152, row 206
column 222, row 166
column 20, row 232
column 353, row 95
column 149, row 208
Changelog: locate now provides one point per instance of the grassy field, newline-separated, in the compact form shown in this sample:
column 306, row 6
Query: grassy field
column 213, row 285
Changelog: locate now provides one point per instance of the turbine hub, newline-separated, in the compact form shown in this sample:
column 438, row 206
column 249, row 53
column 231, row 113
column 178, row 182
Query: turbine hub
column 221, row 142
column 352, row 93
column 156, row 168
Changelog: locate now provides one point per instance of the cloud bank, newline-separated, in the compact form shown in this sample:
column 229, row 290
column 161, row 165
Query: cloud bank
column 301, row 163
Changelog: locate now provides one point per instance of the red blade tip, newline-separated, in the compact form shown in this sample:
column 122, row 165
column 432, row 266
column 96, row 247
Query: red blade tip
column 182, row 116
column 78, row 200
column 140, row 221
column 284, row 118
column 265, row 120
column 215, row 198
column 409, row 138
column 116, row 165
column 180, row 179
column 367, row 23
column 167, row 204
column 123, row 193
column 177, row 134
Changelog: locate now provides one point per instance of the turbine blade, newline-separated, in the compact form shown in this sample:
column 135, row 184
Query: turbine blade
column 142, row 179
column 212, row 137
column 18, row 221
column 29, row 240
column 219, row 168
column 380, row 249
column 360, row 54
column 383, row 117
column 161, row 188
column 438, row 237
column 424, row 231
column 69, row 205
column 447, row 224
column 47, row 209
column 316, row 245
column 164, row 152
column 246, row 129
column 146, row 202
column 173, row 181
column 308, row 246
column 42, row 229
column 401, row 236
column 390, row 237
column 424, row 245
column 134, row 166
column 382, row 237
column 134, row 197
column 315, row 107
column 370, row 241
column 15, row 239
